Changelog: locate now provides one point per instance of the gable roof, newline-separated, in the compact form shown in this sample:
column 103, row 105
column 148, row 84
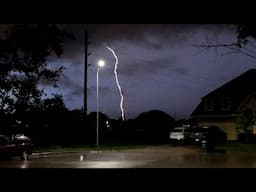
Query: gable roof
column 243, row 84
column 238, row 89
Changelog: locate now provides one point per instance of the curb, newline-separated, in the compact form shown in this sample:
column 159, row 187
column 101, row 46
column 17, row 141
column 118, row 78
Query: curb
column 42, row 154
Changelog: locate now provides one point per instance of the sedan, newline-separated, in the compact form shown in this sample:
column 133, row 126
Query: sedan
column 18, row 145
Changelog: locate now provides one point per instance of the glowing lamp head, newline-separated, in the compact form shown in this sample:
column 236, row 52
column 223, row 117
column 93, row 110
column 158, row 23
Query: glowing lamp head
column 101, row 63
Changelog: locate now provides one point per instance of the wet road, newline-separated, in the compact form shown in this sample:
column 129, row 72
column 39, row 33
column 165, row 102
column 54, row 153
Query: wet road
column 149, row 157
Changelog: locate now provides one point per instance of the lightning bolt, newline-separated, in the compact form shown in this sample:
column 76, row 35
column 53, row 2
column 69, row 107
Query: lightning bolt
column 117, row 83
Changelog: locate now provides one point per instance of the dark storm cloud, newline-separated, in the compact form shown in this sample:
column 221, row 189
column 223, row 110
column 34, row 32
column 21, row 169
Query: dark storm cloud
column 145, row 35
column 180, row 70
column 149, row 34
column 91, row 91
column 136, row 32
column 73, row 87
column 152, row 60
column 136, row 67
column 65, row 84
column 66, row 81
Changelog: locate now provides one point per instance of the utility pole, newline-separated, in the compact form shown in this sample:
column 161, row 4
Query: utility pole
column 85, row 74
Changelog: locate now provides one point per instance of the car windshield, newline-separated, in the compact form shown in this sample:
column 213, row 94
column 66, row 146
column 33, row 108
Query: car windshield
column 20, row 141
column 177, row 130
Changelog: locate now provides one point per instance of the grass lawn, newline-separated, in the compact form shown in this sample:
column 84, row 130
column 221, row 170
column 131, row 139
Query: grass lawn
column 79, row 148
column 239, row 147
column 229, row 147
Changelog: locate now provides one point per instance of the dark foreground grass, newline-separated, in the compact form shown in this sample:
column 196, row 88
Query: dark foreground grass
column 228, row 147
column 239, row 147
column 79, row 148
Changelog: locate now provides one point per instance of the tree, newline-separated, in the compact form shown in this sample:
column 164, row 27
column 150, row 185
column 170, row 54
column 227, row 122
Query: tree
column 25, row 50
column 156, row 124
column 244, row 43
column 244, row 121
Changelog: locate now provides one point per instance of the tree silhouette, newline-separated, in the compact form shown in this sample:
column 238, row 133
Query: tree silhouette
column 91, row 129
column 25, row 50
column 244, row 121
column 244, row 43
column 155, row 124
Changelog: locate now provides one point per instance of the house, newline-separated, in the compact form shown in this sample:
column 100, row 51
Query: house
column 223, row 106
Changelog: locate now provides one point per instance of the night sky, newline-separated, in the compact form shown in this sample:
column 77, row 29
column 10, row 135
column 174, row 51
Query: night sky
column 159, row 66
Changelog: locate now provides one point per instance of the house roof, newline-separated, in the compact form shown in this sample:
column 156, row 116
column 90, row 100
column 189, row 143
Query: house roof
column 237, row 89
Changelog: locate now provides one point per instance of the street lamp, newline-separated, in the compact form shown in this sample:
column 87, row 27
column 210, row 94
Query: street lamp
column 100, row 64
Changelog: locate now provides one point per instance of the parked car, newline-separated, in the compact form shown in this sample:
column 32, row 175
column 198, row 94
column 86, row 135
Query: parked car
column 213, row 132
column 180, row 134
column 18, row 145
column 198, row 134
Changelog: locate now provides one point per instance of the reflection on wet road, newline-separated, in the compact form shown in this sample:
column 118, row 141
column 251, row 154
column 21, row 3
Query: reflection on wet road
column 150, row 157
column 208, row 160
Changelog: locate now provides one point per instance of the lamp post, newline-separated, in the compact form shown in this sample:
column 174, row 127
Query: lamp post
column 100, row 64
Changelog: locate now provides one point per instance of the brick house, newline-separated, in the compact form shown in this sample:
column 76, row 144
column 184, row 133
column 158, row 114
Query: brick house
column 222, row 106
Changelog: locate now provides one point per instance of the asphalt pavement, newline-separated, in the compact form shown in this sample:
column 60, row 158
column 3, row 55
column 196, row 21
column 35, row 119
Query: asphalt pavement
column 165, row 156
